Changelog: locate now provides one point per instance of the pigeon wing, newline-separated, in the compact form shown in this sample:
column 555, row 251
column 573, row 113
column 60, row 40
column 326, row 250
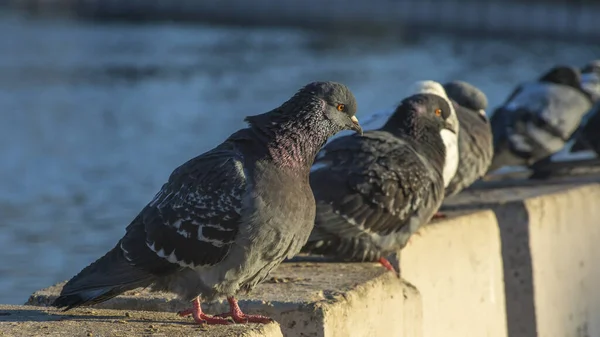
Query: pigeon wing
column 373, row 184
column 194, row 218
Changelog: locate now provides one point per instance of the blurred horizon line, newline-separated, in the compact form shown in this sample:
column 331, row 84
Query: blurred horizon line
column 523, row 19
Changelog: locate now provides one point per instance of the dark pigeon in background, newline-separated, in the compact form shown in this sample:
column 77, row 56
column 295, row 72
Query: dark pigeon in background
column 475, row 143
column 588, row 136
column 373, row 192
column 376, row 120
column 228, row 217
column 538, row 118
column 450, row 137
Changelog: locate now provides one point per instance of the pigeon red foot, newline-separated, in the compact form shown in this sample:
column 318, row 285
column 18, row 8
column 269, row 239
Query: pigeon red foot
column 387, row 265
column 200, row 317
column 439, row 215
column 239, row 317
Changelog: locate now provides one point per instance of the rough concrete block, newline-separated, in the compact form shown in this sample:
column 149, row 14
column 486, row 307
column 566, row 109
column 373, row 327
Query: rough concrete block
column 457, row 266
column 43, row 321
column 550, row 247
column 517, row 260
column 564, row 241
column 306, row 299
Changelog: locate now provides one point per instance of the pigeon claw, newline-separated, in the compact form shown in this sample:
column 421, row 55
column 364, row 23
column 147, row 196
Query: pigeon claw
column 202, row 318
column 239, row 317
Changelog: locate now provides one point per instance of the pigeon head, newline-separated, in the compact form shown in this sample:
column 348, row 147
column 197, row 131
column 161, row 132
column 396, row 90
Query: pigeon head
column 590, row 79
column 338, row 105
column 435, row 88
column 427, row 118
column 564, row 75
column 420, row 114
column 294, row 132
column 467, row 95
column 321, row 109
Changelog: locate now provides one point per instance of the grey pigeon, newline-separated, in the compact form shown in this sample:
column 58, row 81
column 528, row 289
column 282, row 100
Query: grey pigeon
column 449, row 136
column 226, row 218
column 475, row 143
column 588, row 137
column 373, row 192
column 538, row 118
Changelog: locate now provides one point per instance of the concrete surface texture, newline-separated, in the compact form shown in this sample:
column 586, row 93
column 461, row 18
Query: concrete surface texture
column 306, row 299
column 457, row 267
column 513, row 260
column 564, row 238
column 549, row 236
column 41, row 321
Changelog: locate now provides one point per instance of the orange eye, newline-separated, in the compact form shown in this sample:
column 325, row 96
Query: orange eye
column 341, row 107
column 438, row 112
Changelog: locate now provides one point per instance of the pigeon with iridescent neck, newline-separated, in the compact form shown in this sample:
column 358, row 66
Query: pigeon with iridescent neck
column 225, row 219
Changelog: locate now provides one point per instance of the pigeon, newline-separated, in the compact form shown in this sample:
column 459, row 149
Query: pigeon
column 374, row 191
column 450, row 137
column 587, row 136
column 475, row 143
column 227, row 218
column 378, row 119
column 538, row 118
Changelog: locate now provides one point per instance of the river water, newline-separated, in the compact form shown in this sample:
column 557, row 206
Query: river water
column 94, row 117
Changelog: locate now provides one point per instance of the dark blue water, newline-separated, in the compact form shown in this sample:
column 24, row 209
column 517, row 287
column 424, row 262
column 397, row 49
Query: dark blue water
column 93, row 118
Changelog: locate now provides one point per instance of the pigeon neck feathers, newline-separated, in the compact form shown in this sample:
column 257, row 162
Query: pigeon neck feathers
column 292, row 134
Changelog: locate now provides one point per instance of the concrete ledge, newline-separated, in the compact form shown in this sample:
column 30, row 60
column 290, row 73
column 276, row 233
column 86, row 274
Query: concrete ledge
column 457, row 266
column 306, row 299
column 38, row 321
column 550, row 237
column 509, row 261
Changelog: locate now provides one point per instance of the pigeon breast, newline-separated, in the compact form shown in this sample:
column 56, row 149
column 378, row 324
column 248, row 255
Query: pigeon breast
column 475, row 141
column 475, row 149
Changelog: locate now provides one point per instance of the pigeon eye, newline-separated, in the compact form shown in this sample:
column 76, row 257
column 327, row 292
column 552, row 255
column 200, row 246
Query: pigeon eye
column 341, row 107
column 438, row 112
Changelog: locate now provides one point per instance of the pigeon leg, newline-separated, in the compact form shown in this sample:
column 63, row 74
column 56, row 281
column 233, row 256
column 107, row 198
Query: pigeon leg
column 438, row 215
column 239, row 317
column 200, row 317
column 387, row 265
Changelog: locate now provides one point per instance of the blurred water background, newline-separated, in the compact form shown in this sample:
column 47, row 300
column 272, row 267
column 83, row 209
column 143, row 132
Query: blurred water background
column 94, row 116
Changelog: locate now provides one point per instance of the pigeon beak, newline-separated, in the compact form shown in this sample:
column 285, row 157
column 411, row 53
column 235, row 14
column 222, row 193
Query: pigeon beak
column 355, row 126
column 450, row 127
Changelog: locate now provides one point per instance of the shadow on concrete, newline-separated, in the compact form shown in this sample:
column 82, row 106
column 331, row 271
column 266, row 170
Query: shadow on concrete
column 16, row 315
column 513, row 222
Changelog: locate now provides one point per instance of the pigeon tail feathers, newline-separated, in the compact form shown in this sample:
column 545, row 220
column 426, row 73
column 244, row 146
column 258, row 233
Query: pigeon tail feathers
column 109, row 276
